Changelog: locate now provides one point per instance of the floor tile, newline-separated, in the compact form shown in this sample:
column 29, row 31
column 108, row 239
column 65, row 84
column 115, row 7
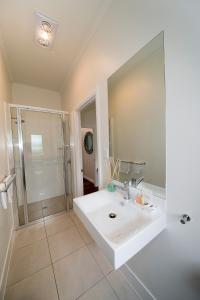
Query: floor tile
column 39, row 286
column 64, row 243
column 81, row 228
column 27, row 260
column 84, row 234
column 29, row 235
column 74, row 217
column 76, row 273
column 100, row 258
column 121, row 286
column 101, row 291
column 58, row 223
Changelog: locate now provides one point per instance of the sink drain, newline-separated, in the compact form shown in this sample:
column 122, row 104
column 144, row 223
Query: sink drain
column 112, row 215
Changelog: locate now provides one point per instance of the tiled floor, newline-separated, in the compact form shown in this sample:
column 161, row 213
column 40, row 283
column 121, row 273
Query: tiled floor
column 39, row 209
column 58, row 260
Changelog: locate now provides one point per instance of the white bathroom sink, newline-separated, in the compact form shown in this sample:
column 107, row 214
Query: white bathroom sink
column 123, row 236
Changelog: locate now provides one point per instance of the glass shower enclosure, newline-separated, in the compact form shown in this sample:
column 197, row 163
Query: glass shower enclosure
column 42, row 162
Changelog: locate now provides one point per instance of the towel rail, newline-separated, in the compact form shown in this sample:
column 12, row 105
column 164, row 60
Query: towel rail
column 6, row 182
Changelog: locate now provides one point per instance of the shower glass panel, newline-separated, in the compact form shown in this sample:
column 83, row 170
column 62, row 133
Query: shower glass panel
column 43, row 163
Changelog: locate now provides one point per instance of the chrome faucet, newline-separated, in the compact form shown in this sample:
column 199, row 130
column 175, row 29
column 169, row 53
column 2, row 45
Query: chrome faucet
column 125, row 189
column 134, row 182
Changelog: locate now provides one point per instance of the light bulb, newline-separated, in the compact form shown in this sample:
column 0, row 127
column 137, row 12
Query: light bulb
column 45, row 30
column 44, row 35
column 44, row 38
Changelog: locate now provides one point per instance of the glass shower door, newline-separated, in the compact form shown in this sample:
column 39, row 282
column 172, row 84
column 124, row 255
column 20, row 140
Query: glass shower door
column 42, row 134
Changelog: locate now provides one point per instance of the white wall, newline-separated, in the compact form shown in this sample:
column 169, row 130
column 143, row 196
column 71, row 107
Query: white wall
column 6, row 218
column 126, row 28
column 35, row 96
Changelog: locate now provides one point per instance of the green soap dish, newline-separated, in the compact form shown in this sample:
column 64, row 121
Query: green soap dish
column 111, row 187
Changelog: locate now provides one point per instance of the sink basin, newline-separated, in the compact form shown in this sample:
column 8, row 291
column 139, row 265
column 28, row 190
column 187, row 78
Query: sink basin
column 118, row 226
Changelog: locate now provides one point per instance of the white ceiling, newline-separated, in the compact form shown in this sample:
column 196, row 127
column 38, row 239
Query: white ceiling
column 34, row 65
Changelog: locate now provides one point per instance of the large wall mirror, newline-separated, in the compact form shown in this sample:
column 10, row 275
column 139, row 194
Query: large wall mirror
column 136, row 99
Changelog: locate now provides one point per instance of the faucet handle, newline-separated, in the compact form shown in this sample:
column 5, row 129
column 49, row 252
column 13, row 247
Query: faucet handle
column 126, row 190
column 135, row 181
column 140, row 179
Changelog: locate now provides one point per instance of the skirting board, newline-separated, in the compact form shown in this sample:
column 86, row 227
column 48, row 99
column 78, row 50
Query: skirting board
column 88, row 178
column 6, row 265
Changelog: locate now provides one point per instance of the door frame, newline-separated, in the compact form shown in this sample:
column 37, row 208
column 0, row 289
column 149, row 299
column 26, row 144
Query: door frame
column 100, row 96
column 78, row 166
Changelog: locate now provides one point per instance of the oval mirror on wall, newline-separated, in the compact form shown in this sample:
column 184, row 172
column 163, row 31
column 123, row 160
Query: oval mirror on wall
column 88, row 142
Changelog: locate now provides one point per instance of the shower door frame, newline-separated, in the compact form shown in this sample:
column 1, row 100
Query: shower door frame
column 20, row 108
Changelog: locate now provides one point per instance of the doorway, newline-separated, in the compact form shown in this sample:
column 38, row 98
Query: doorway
column 42, row 162
column 89, row 147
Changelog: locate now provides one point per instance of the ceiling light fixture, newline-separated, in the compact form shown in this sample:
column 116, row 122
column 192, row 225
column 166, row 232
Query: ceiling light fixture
column 45, row 34
column 45, row 30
